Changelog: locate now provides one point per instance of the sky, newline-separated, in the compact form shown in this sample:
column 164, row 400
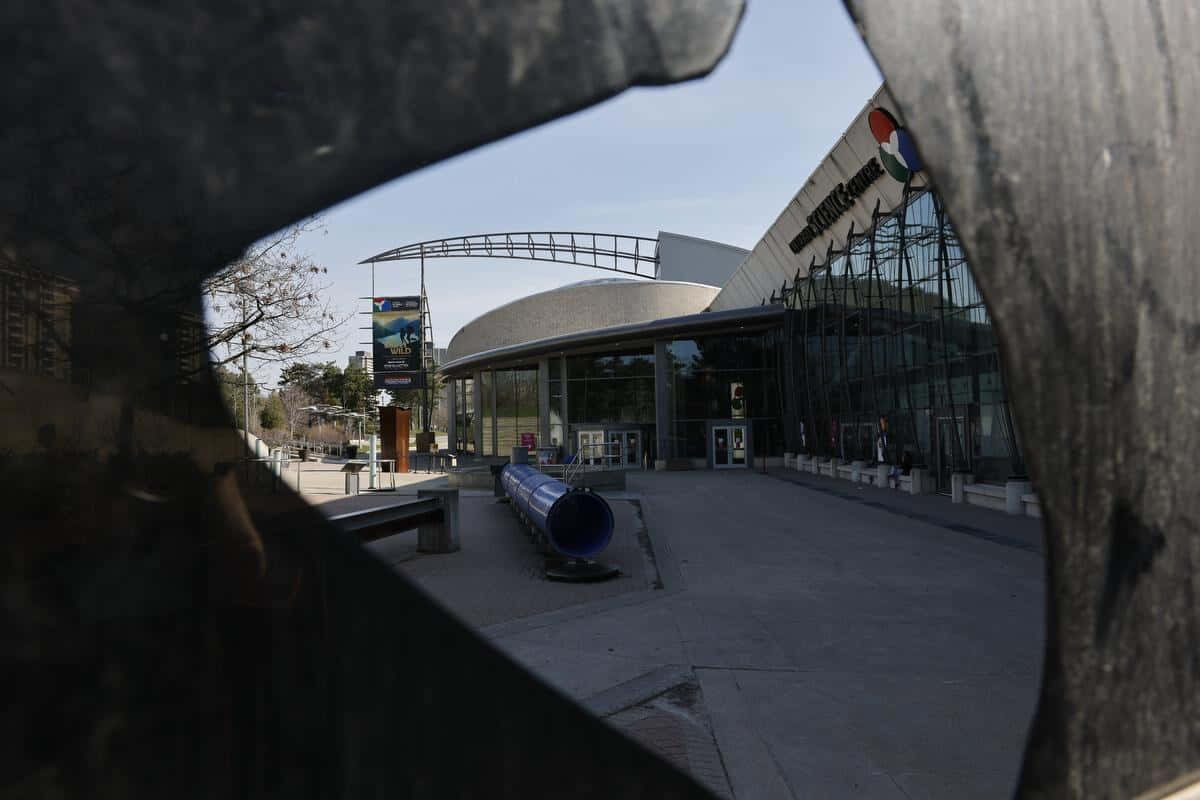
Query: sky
column 718, row 158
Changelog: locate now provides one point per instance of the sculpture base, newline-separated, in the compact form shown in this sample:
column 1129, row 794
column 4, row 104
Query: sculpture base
column 579, row 570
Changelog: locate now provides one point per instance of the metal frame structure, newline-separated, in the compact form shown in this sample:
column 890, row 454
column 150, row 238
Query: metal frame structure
column 628, row 255
column 893, row 327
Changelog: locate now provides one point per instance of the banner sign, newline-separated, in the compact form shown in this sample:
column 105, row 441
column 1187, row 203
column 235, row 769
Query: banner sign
column 396, row 342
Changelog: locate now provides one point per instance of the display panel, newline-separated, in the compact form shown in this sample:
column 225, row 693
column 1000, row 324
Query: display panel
column 396, row 342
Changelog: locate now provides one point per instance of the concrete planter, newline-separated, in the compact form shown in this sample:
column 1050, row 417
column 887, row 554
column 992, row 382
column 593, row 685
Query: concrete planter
column 1014, row 490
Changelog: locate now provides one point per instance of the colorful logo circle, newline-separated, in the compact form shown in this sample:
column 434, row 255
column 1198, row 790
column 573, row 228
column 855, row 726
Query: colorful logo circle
column 897, row 150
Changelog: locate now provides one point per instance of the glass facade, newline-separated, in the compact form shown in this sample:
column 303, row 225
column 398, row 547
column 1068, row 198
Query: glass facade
column 724, row 377
column 464, row 423
column 611, row 388
column 558, row 426
column 891, row 336
column 513, row 393
column 487, row 416
column 610, row 406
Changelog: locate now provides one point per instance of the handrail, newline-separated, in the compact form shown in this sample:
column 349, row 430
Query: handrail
column 610, row 452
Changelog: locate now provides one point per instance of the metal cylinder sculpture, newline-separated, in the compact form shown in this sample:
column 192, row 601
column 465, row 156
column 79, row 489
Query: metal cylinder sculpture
column 573, row 522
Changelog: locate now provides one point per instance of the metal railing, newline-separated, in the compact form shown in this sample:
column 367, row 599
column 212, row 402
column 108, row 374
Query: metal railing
column 592, row 458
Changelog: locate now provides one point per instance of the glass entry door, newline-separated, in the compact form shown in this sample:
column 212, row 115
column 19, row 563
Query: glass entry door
column 632, row 451
column 591, row 447
column 729, row 446
column 625, row 448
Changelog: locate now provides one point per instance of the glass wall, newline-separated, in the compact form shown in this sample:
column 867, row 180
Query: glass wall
column 487, row 402
column 890, row 347
column 516, row 400
column 611, row 388
column 464, row 423
column 558, row 428
column 724, row 377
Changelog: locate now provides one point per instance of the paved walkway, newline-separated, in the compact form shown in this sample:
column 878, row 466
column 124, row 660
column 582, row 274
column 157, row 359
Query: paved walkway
column 498, row 575
column 1021, row 532
column 879, row 648
column 324, row 482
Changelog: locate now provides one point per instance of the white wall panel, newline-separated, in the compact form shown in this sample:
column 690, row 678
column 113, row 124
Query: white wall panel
column 771, row 261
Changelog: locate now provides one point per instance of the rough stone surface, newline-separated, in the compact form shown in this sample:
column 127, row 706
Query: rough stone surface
column 1061, row 136
column 172, row 629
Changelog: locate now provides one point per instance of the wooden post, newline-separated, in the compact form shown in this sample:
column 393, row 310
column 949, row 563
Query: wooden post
column 394, row 424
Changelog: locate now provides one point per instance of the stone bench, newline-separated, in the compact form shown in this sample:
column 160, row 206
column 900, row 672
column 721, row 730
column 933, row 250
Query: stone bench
column 440, row 535
column 986, row 495
column 1014, row 497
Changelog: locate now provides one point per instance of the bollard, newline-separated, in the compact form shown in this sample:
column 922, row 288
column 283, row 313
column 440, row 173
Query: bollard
column 373, row 461
column 440, row 537
column 957, row 481
column 351, row 483
column 497, row 483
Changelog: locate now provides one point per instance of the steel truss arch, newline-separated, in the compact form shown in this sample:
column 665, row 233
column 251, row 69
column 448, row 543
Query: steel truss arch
column 628, row 255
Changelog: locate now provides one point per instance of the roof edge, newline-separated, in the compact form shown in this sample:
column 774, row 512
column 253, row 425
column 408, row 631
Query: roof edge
column 667, row 325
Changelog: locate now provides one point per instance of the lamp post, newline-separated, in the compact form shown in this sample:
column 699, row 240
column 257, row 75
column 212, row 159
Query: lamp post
column 245, row 375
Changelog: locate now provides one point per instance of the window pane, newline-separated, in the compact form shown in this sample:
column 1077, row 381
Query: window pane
column 506, row 411
column 526, row 381
column 486, row 389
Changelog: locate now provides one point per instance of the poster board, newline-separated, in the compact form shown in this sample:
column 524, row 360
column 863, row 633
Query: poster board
column 396, row 345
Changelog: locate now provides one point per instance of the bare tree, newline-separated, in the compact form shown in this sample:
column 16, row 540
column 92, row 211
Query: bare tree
column 271, row 303
column 294, row 400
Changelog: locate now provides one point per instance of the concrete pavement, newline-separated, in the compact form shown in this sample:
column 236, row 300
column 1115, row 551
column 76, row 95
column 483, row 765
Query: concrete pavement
column 840, row 648
column 791, row 637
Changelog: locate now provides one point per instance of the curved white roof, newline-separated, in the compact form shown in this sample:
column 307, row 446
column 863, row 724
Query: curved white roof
column 585, row 306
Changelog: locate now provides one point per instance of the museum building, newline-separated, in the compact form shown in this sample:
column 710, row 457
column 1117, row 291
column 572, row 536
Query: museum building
column 853, row 331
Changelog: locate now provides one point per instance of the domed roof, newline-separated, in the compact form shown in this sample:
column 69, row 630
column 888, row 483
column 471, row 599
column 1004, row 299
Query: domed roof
column 584, row 306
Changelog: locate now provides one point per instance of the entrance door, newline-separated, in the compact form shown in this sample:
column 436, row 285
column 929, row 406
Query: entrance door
column 591, row 447
column 729, row 446
column 615, row 451
column 631, row 449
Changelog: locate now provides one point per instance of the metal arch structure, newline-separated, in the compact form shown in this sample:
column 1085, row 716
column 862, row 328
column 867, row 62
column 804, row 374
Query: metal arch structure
column 628, row 255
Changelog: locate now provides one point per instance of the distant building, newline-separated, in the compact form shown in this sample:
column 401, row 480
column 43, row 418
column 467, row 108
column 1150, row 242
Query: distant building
column 35, row 322
column 359, row 359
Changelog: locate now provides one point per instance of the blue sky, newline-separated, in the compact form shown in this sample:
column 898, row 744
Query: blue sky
column 717, row 158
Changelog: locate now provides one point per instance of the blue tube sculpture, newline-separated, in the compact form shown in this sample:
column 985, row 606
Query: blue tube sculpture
column 574, row 522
